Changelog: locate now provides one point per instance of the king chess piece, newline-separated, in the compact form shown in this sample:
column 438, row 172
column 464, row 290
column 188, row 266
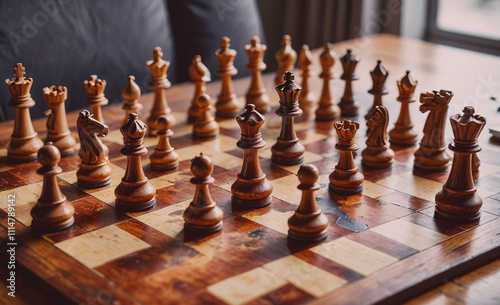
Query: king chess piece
column 227, row 105
column 377, row 153
column 348, row 106
column 200, row 75
column 95, row 96
column 286, row 58
column 205, row 126
column 257, row 93
column 306, row 97
column 327, row 109
column 131, row 94
column 164, row 157
column 379, row 76
column 403, row 133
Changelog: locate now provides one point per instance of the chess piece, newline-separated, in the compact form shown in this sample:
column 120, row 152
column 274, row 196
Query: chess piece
column 200, row 75
column 202, row 216
column 458, row 200
column 227, row 105
column 131, row 94
column 94, row 171
column 348, row 106
column 95, row 96
column 164, row 157
column 308, row 223
column 377, row 153
column 57, row 125
column 24, row 143
column 346, row 179
column 257, row 94
column 403, row 133
column 52, row 212
column 379, row 76
column 432, row 155
column 205, row 127
column 288, row 150
column 251, row 188
column 475, row 166
column 286, row 58
column 327, row 110
column 134, row 193
column 306, row 98
column 158, row 68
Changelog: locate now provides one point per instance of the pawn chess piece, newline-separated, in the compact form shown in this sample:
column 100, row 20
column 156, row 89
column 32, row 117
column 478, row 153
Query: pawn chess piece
column 286, row 58
column 94, row 171
column 308, row 223
column 403, row 133
column 57, row 125
column 158, row 68
column 131, row 94
column 288, row 150
column 458, row 200
column 205, row 127
column 306, row 97
column 432, row 155
column 346, row 179
column 327, row 110
column 200, row 75
column 377, row 153
column 257, row 93
column 202, row 216
column 134, row 193
column 379, row 76
column 24, row 143
column 95, row 96
column 52, row 212
column 348, row 106
column 227, row 105
column 164, row 157
column 251, row 188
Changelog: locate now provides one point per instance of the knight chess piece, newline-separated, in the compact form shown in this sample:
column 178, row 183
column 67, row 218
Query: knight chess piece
column 377, row 153
column 131, row 94
column 52, row 212
column 257, row 93
column 94, row 171
column 24, row 143
column 200, row 75
column 348, row 106
column 164, row 157
column 327, row 109
column 306, row 97
column 403, row 133
column 227, row 105
column 286, row 58
column 57, row 125
column 458, row 200
column 379, row 76
column 95, row 96
column 205, row 127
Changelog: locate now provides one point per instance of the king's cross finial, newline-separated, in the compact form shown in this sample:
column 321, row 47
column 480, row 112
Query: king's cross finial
column 19, row 72
column 289, row 76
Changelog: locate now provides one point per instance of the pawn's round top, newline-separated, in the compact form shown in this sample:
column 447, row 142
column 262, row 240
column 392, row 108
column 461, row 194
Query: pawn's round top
column 203, row 100
column 49, row 155
column 164, row 123
column 201, row 166
column 308, row 174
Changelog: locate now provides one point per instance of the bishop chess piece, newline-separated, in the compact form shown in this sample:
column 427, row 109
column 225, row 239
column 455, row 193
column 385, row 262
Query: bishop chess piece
column 379, row 76
column 52, row 212
column 308, row 223
column 164, row 157
column 200, row 75
column 251, row 188
column 346, row 179
column 288, row 150
column 24, row 142
column 227, row 105
column 286, row 58
column 458, row 200
column 348, row 106
column 306, row 98
column 131, row 94
column 95, row 96
column 94, row 171
column 202, row 216
column 403, row 133
column 432, row 155
column 158, row 68
column 377, row 153
column 257, row 93
column 205, row 127
column 57, row 125
column 134, row 193
column 327, row 109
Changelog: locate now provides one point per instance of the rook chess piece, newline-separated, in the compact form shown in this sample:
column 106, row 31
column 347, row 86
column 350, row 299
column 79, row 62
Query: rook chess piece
column 377, row 153
column 306, row 98
column 205, row 127
column 257, row 94
column 200, row 75
column 379, row 76
column 164, row 157
column 131, row 94
column 227, row 105
column 348, row 105
column 403, row 132
column 327, row 110
column 286, row 58
column 95, row 96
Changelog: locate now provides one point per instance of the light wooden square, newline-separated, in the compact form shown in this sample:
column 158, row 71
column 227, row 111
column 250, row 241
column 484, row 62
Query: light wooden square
column 275, row 220
column 226, row 161
column 167, row 220
column 285, row 188
column 26, row 194
column 413, row 185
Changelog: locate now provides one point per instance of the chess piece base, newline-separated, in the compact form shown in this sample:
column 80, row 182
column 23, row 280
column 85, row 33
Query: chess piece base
column 307, row 100
column 65, row 144
column 228, row 108
column 94, row 176
column 203, row 230
column 403, row 136
column 22, row 150
column 206, row 131
column 326, row 114
column 255, row 193
column 252, row 203
column 377, row 157
column 52, row 217
column 346, row 182
column 468, row 210
column 348, row 108
column 345, row 190
column 429, row 159
column 308, row 227
column 135, row 196
column 203, row 220
column 309, row 238
column 165, row 168
column 287, row 152
column 261, row 102
column 164, row 160
column 153, row 118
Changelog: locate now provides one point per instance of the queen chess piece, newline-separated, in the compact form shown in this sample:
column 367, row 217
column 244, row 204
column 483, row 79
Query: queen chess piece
column 257, row 93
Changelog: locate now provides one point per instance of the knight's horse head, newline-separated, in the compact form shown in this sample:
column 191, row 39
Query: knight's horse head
column 88, row 130
column 379, row 117
column 88, row 124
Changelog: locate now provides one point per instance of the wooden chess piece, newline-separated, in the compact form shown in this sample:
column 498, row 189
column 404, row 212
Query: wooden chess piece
column 377, row 153
column 202, row 216
column 458, row 200
column 348, row 106
column 95, row 96
column 432, row 155
column 327, row 109
column 24, row 143
column 131, row 94
column 52, row 212
column 227, row 105
column 286, row 58
column 475, row 166
column 288, row 150
column 158, row 68
column 306, row 97
column 379, row 76
column 346, row 179
column 94, row 171
column 403, row 133
column 205, row 127
column 134, row 193
column 164, row 157
column 308, row 223
column 57, row 125
column 200, row 75
column 257, row 93
column 251, row 188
